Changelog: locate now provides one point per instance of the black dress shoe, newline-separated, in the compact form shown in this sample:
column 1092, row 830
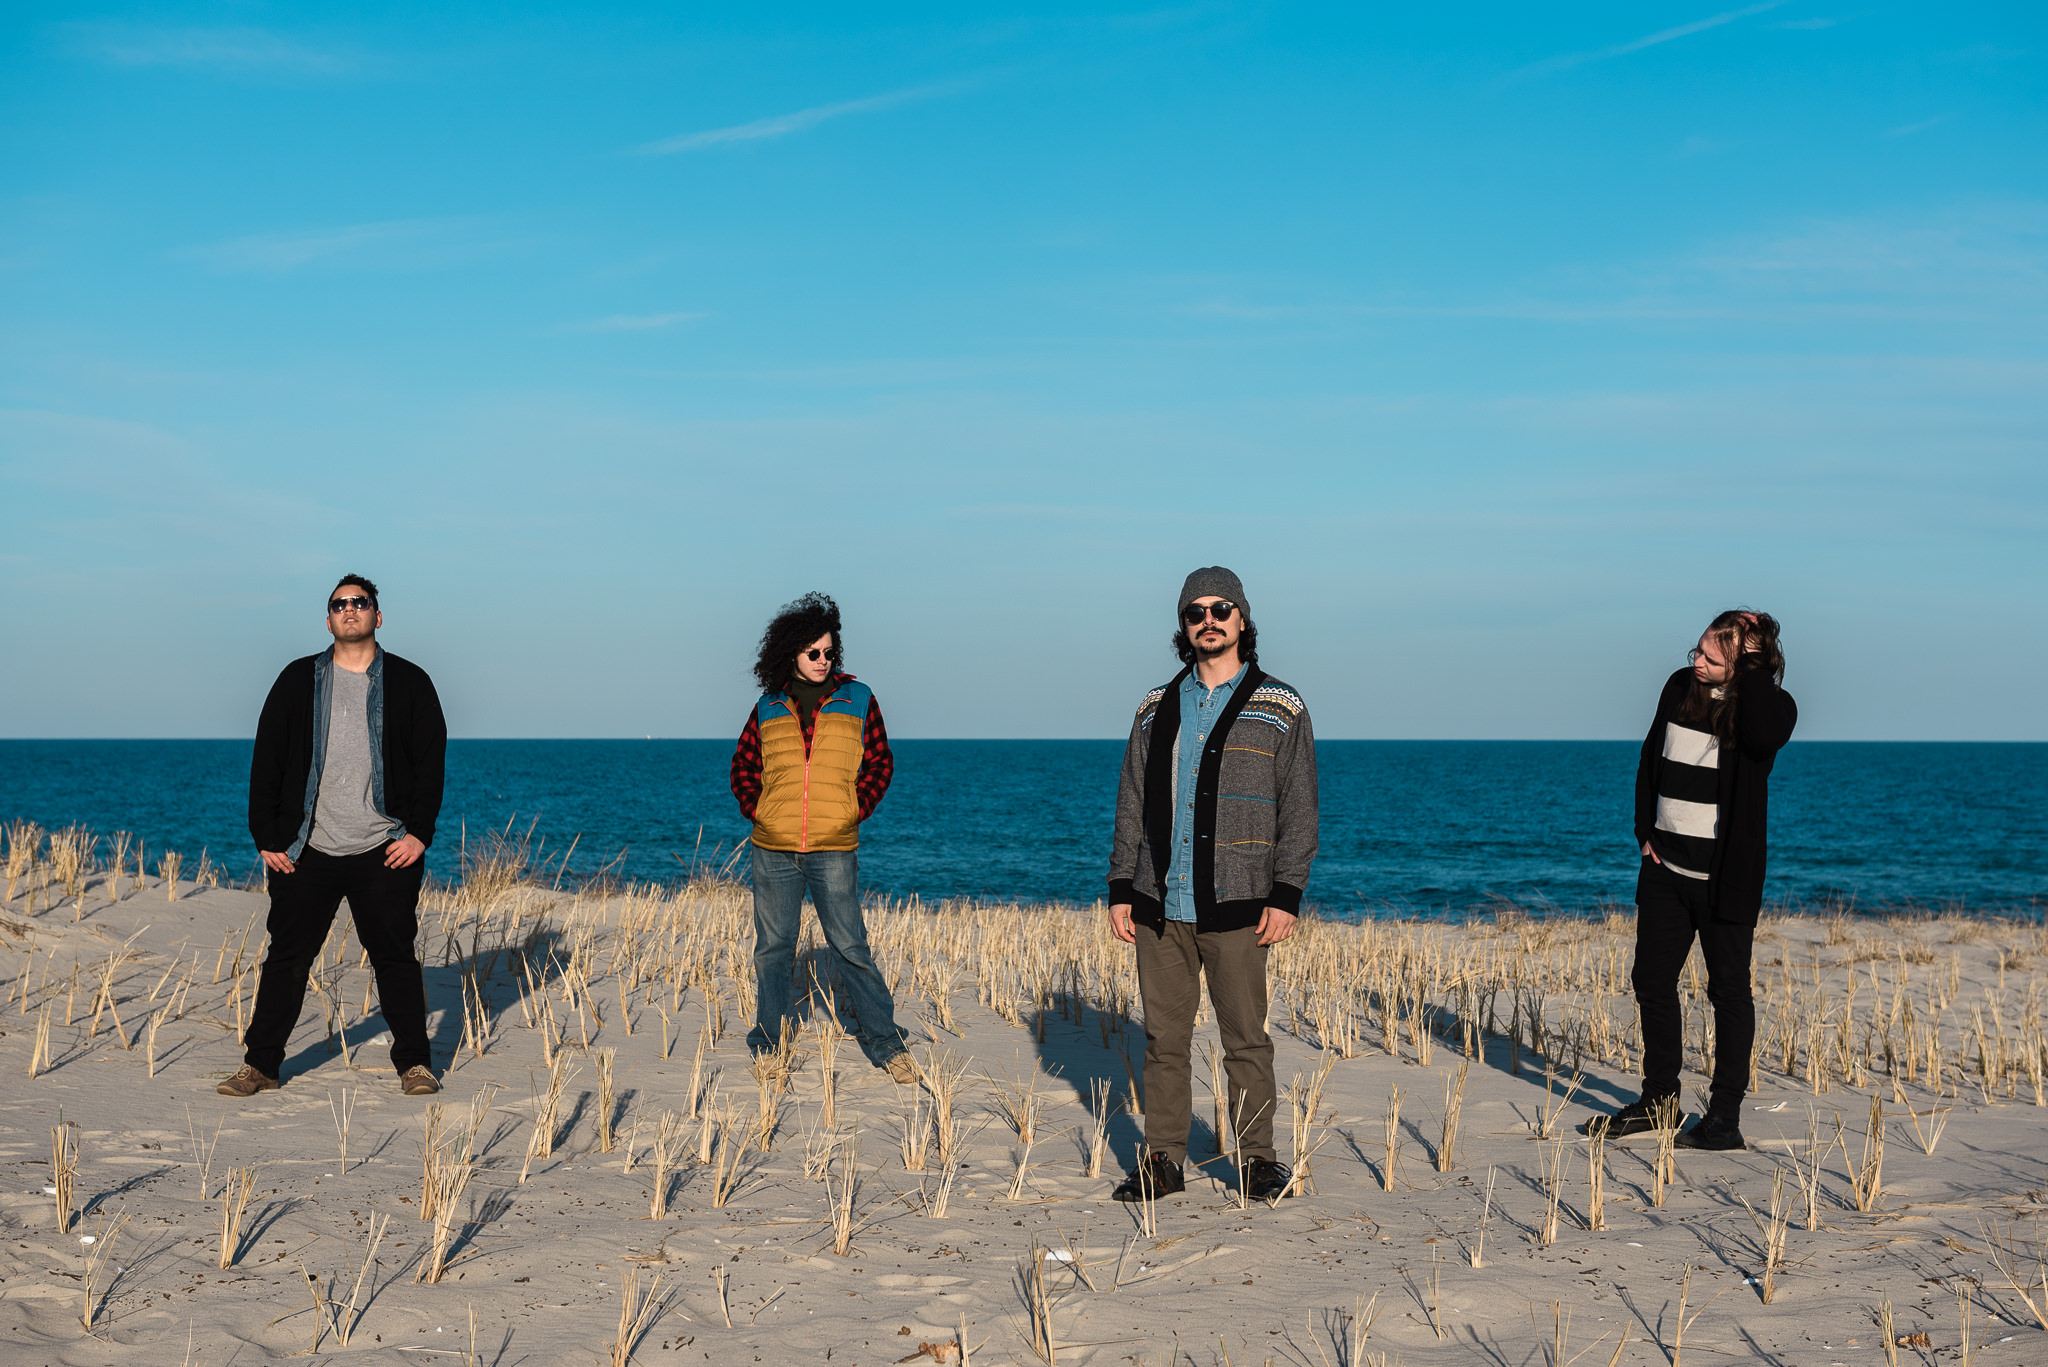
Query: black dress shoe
column 1155, row 1176
column 1716, row 1132
column 1638, row 1117
column 1264, row 1179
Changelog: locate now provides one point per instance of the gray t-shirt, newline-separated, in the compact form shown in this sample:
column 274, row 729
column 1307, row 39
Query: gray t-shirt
column 345, row 819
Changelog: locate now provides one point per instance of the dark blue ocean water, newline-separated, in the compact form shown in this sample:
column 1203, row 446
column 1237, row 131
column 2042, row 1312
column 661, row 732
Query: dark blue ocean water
column 1413, row 825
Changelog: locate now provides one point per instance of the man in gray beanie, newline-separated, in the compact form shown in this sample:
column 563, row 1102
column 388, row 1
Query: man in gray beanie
column 1215, row 833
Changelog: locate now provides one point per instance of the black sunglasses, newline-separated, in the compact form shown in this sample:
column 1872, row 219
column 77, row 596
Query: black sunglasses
column 813, row 654
column 1193, row 613
column 336, row 605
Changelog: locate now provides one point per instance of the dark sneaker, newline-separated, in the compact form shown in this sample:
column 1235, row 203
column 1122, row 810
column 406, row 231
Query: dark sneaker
column 1638, row 1117
column 1264, row 1179
column 1712, row 1131
column 246, row 1081
column 1155, row 1176
column 418, row 1080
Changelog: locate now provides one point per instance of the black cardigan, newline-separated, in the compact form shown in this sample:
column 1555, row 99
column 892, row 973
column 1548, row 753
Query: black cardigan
column 415, row 753
column 1764, row 717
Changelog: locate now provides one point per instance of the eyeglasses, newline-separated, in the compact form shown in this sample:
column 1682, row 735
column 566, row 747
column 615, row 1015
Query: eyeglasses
column 1193, row 613
column 814, row 654
column 360, row 604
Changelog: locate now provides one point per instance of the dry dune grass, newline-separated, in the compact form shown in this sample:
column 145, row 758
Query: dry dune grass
column 1480, row 1042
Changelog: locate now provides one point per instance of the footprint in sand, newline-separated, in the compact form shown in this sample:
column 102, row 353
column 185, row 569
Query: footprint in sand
column 903, row 1281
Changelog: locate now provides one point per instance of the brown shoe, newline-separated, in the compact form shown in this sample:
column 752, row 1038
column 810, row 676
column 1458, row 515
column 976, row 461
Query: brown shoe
column 418, row 1080
column 902, row 1068
column 246, row 1081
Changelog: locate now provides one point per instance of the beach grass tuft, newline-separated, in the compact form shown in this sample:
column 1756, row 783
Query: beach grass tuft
column 637, row 1310
column 234, row 1210
column 64, row 1145
column 96, row 1261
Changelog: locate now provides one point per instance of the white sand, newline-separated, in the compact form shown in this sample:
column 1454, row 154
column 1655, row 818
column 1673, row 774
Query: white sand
column 541, row 1264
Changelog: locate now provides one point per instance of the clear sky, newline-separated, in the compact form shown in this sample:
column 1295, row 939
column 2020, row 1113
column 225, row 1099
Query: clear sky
column 1496, row 346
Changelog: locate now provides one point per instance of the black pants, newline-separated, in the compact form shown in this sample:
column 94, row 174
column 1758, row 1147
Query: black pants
column 1670, row 911
column 385, row 904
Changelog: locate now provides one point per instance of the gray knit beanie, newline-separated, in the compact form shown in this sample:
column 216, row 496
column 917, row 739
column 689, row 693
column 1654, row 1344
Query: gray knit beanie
column 1212, row 580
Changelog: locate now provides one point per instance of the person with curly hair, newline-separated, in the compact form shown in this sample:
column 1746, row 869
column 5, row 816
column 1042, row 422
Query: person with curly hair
column 812, row 763
column 1701, row 818
column 1216, row 827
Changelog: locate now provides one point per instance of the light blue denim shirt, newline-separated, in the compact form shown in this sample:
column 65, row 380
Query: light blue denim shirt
column 1199, row 710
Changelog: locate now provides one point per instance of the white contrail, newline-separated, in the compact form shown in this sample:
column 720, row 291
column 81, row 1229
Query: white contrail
column 1571, row 59
column 782, row 125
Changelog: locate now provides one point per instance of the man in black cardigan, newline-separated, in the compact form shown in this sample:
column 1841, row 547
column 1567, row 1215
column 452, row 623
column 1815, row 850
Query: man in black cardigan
column 1701, row 822
column 344, row 788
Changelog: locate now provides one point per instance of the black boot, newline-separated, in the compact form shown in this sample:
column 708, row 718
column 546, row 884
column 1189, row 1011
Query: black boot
column 1716, row 1130
column 1638, row 1117
column 1263, row 1179
column 1155, row 1176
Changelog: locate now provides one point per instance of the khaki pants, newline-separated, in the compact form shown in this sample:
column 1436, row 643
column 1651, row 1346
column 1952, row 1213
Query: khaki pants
column 1172, row 960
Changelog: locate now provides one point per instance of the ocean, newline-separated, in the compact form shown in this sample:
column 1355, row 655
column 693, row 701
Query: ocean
column 1428, row 827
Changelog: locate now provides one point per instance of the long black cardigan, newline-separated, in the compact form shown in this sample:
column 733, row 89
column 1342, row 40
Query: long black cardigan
column 1764, row 717
column 415, row 753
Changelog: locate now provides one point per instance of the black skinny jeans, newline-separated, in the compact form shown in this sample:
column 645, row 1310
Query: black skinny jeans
column 385, row 904
column 1670, row 911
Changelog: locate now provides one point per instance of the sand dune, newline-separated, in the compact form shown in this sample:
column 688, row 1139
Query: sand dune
column 1024, row 1018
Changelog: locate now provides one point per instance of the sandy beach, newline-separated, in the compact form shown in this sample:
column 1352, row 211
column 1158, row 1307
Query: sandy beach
column 601, row 1147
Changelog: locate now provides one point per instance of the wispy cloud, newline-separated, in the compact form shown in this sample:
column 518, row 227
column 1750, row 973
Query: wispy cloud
column 636, row 322
column 1977, row 266
column 1909, row 129
column 882, row 371
column 221, row 49
column 1520, row 309
column 1572, row 59
column 1993, row 252
column 428, row 241
column 782, row 125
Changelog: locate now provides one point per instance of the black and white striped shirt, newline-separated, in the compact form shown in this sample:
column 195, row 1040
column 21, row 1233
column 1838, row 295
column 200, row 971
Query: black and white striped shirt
column 1687, row 813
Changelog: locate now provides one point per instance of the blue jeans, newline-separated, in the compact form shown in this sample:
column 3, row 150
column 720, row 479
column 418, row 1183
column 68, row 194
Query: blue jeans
column 832, row 877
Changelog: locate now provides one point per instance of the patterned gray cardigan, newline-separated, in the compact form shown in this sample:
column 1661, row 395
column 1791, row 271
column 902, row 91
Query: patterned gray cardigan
column 1255, row 806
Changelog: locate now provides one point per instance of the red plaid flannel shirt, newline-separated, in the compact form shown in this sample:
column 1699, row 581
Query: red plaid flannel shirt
column 877, row 762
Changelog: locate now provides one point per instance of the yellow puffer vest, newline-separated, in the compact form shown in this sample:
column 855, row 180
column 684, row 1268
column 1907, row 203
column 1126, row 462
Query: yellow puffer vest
column 807, row 796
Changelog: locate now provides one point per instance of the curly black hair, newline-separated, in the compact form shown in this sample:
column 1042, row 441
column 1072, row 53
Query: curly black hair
column 794, row 627
column 1247, row 644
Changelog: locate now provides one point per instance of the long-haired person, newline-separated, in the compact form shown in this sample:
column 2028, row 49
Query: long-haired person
column 811, row 765
column 1702, row 813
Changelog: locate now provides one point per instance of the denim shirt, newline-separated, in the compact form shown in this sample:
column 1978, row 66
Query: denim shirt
column 1199, row 709
column 323, row 708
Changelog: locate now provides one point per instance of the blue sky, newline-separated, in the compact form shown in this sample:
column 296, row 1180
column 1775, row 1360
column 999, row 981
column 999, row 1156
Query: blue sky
column 1496, row 349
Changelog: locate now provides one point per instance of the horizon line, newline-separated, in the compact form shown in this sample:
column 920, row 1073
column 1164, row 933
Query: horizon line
column 1376, row 740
